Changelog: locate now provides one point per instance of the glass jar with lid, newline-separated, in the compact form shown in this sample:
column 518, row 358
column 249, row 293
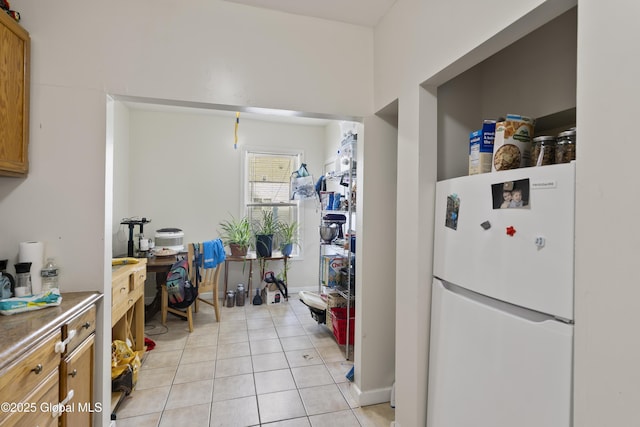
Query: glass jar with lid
column 566, row 146
column 543, row 151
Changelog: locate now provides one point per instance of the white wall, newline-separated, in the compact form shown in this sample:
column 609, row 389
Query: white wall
column 375, row 262
column 607, row 295
column 158, row 51
column 185, row 173
column 205, row 51
column 121, row 178
column 435, row 49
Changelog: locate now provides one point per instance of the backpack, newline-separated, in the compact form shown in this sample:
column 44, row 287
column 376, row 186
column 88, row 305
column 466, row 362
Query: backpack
column 182, row 293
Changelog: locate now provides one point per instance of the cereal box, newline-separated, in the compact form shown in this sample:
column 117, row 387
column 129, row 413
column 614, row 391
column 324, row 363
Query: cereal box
column 512, row 144
column 481, row 148
column 331, row 265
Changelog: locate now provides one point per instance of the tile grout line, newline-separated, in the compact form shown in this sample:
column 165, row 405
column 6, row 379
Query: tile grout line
column 274, row 316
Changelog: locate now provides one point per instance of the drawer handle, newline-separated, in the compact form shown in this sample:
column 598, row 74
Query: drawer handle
column 37, row 369
column 123, row 290
column 61, row 346
column 73, row 373
column 86, row 325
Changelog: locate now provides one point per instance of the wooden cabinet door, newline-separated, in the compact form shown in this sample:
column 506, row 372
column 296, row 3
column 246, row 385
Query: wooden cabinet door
column 38, row 408
column 76, row 373
column 14, row 97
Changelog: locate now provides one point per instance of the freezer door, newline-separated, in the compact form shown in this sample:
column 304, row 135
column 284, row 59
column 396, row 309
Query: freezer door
column 495, row 365
column 524, row 255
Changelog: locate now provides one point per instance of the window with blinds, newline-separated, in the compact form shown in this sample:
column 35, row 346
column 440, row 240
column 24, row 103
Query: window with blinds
column 268, row 187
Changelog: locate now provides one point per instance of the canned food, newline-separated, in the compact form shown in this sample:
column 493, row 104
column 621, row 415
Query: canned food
column 544, row 150
column 566, row 146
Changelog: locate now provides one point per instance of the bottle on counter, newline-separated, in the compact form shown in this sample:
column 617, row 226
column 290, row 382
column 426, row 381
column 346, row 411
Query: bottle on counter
column 49, row 274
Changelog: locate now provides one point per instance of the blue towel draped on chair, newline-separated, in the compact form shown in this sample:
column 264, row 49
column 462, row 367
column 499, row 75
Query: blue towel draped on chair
column 214, row 253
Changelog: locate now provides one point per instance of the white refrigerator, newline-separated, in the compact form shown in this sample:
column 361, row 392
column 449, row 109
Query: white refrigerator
column 501, row 339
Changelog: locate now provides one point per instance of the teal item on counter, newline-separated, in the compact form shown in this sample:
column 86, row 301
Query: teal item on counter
column 5, row 287
column 34, row 302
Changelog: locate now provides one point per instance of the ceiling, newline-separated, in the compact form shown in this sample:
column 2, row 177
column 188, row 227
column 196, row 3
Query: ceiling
column 359, row 12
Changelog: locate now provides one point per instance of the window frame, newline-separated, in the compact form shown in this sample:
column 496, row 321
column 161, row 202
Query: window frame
column 247, row 204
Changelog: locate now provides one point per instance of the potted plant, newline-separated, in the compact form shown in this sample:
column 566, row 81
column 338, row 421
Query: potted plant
column 264, row 230
column 236, row 233
column 288, row 236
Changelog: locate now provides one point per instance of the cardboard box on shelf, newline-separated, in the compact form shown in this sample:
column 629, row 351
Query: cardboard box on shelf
column 331, row 265
column 512, row 143
column 481, row 148
column 334, row 299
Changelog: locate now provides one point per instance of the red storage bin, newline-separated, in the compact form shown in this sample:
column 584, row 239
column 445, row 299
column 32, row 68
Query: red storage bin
column 339, row 324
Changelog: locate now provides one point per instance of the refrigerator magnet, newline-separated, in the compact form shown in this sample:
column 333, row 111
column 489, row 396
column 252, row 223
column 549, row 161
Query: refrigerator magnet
column 511, row 194
column 453, row 208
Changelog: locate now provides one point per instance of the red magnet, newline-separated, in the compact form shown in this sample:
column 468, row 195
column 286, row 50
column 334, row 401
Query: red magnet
column 511, row 231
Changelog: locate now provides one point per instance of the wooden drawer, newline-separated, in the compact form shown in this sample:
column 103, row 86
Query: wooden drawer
column 76, row 373
column 140, row 275
column 24, row 375
column 83, row 324
column 124, row 305
column 38, row 407
column 120, row 289
column 123, row 286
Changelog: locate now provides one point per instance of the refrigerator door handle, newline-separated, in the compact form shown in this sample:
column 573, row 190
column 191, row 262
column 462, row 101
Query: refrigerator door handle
column 492, row 303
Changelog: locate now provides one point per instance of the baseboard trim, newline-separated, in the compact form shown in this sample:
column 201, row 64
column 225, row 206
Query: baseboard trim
column 370, row 397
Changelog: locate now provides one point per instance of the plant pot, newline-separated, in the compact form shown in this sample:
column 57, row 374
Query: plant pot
column 238, row 250
column 287, row 249
column 264, row 243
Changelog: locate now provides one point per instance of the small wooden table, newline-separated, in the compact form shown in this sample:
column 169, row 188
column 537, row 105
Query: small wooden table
column 250, row 258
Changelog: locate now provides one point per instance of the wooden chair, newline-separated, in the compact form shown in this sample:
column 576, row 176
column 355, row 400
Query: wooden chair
column 187, row 312
column 209, row 283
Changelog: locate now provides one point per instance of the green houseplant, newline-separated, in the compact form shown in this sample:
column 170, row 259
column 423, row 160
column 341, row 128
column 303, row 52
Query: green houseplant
column 264, row 230
column 236, row 233
column 288, row 236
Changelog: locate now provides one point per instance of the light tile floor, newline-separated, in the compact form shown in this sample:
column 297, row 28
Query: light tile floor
column 260, row 366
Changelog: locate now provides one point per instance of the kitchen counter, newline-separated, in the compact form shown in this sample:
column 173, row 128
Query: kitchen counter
column 21, row 332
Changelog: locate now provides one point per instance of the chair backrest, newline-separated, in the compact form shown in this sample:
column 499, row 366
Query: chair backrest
column 193, row 250
column 208, row 277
